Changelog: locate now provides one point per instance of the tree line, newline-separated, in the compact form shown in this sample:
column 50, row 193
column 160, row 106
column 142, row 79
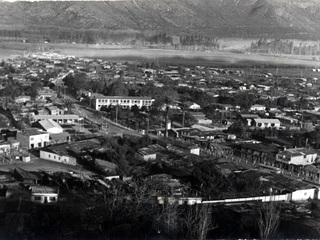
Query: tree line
column 35, row 34
column 278, row 46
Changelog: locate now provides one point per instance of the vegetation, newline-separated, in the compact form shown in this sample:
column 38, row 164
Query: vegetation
column 278, row 46
column 268, row 221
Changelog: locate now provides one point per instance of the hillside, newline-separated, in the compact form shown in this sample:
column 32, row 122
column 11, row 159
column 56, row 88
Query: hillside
column 213, row 18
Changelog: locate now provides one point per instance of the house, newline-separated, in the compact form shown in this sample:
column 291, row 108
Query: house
column 201, row 118
column 54, row 110
column 248, row 118
column 266, row 123
column 257, row 108
column 45, row 93
column 44, row 194
column 33, row 138
column 146, row 154
column 57, row 138
column 49, row 126
column 58, row 153
column 184, row 147
column 17, row 194
column 106, row 165
column 22, row 99
column 9, row 146
column 192, row 106
column 287, row 120
column 26, row 177
column 61, row 119
column 296, row 156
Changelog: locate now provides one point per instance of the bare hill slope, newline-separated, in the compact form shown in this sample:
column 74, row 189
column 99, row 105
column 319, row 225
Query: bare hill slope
column 221, row 18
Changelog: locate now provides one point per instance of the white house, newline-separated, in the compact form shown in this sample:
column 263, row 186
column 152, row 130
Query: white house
column 57, row 153
column 193, row 106
column 266, row 123
column 33, row 138
column 42, row 194
column 257, row 107
column 297, row 156
column 22, row 99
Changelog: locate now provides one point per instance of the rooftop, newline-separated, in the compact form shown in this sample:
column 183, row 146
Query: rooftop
column 68, row 117
column 122, row 97
column 32, row 132
column 49, row 124
column 266, row 120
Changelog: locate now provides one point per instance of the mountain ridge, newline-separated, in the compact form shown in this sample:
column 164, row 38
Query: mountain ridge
column 220, row 18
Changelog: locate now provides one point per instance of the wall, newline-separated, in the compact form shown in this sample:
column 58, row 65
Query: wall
column 146, row 157
column 57, row 158
column 305, row 194
column 44, row 197
column 40, row 140
column 301, row 160
column 195, row 151
column 299, row 195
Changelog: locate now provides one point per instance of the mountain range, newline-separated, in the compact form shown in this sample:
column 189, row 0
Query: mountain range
column 213, row 18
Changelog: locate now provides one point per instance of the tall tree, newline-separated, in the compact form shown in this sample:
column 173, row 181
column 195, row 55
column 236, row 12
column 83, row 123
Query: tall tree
column 268, row 220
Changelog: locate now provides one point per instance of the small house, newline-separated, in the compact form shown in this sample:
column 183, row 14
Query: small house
column 146, row 154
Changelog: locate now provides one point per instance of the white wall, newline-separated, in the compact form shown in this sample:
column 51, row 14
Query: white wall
column 302, row 195
column 57, row 158
column 303, row 160
column 41, row 139
column 195, row 151
column 44, row 197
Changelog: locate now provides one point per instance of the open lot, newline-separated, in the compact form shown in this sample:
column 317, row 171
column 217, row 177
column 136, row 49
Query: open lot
column 37, row 164
column 128, row 53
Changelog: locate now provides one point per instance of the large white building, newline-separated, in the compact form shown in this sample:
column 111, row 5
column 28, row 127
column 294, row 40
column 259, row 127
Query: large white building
column 33, row 138
column 297, row 156
column 122, row 101
column 266, row 123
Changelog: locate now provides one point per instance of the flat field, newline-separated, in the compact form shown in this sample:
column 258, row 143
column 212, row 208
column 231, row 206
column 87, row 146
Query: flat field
column 129, row 53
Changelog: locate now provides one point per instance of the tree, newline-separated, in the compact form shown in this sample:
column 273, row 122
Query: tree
column 75, row 83
column 238, row 128
column 268, row 219
column 35, row 86
column 198, row 221
column 118, row 88
column 245, row 100
column 68, row 104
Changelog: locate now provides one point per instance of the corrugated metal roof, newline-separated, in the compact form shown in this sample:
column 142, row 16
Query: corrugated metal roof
column 49, row 124
column 124, row 97
column 56, row 117
column 266, row 120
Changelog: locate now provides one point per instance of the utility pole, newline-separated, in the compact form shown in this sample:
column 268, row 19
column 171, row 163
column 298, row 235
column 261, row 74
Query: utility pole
column 117, row 113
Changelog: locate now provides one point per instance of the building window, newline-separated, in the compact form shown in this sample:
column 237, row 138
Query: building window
column 52, row 199
column 37, row 198
column 49, row 155
column 32, row 138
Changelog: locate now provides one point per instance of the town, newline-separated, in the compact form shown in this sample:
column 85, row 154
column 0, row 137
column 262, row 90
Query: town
column 121, row 149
